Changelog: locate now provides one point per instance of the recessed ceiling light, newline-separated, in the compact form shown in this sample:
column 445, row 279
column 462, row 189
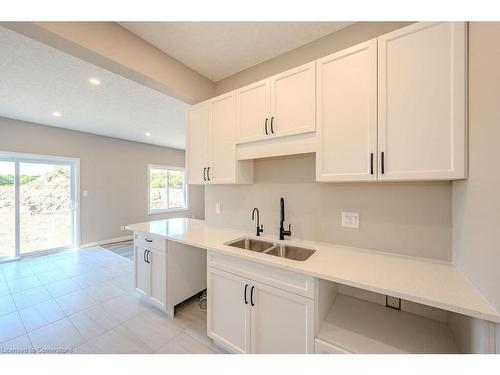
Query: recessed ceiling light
column 56, row 114
column 148, row 134
column 94, row 81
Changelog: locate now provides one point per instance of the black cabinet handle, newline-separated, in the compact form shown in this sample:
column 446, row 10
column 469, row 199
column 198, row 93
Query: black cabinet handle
column 371, row 163
column 265, row 126
column 204, row 172
column 245, row 296
column 147, row 256
column 148, row 240
column 382, row 161
column 272, row 120
column 144, row 256
column 251, row 295
column 208, row 173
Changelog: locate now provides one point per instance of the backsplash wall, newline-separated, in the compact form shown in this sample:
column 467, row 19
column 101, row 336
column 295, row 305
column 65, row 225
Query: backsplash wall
column 410, row 218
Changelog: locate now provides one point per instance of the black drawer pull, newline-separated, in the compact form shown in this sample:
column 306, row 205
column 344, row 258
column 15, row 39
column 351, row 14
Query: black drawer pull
column 382, row 161
column 148, row 240
column 245, row 295
column 265, row 127
column 251, row 295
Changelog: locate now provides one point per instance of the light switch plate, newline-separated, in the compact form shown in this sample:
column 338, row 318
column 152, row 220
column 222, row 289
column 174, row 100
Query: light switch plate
column 217, row 208
column 350, row 219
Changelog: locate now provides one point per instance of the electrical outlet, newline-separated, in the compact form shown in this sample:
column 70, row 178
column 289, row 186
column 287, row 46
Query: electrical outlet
column 217, row 208
column 393, row 302
column 350, row 219
column 85, row 193
column 122, row 227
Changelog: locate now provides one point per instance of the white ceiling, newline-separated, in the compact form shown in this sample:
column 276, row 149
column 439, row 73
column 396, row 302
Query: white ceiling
column 36, row 80
column 220, row 49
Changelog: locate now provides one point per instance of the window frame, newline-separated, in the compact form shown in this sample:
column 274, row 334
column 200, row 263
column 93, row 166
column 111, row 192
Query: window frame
column 151, row 211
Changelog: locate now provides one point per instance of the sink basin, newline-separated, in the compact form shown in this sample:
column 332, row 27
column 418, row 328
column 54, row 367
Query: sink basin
column 271, row 248
column 291, row 252
column 251, row 244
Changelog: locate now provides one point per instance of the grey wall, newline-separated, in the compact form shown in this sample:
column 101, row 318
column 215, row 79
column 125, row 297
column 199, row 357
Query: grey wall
column 407, row 218
column 350, row 36
column 476, row 201
column 113, row 171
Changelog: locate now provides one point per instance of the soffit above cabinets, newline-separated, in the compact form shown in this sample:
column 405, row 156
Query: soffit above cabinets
column 220, row 49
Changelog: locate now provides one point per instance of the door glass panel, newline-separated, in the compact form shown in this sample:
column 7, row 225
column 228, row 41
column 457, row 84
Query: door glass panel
column 45, row 206
column 7, row 209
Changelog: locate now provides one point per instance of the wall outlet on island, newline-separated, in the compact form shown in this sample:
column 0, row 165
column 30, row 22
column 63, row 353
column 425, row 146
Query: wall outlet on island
column 350, row 219
column 217, row 208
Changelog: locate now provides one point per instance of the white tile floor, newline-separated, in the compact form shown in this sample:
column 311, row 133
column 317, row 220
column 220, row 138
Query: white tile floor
column 84, row 302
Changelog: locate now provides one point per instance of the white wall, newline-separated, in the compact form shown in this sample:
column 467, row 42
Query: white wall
column 476, row 201
column 405, row 218
column 113, row 171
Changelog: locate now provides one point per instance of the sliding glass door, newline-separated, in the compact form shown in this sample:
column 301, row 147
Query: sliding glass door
column 7, row 210
column 37, row 204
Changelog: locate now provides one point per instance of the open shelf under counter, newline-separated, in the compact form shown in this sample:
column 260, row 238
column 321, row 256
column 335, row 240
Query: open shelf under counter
column 357, row 326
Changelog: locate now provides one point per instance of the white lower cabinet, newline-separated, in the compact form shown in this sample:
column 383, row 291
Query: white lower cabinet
column 280, row 321
column 142, row 271
column 246, row 316
column 166, row 272
column 150, row 274
column 228, row 317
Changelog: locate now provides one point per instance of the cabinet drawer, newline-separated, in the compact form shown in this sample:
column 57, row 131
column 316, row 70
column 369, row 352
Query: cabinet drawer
column 270, row 275
column 150, row 242
column 323, row 347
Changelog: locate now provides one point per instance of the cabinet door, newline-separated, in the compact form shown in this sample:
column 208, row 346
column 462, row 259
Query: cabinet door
column 158, row 268
column 347, row 114
column 223, row 139
column 293, row 101
column 253, row 111
column 422, row 112
column 228, row 317
column 142, row 274
column 281, row 322
column 198, row 122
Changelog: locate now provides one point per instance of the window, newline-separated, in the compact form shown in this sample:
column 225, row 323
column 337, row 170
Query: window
column 167, row 189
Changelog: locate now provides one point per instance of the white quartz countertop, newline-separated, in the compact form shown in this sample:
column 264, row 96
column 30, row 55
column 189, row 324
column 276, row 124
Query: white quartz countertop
column 429, row 282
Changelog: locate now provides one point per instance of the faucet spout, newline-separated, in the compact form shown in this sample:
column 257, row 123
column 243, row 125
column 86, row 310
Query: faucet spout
column 283, row 232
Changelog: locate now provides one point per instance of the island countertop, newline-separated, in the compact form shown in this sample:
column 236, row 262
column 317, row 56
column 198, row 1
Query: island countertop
column 421, row 280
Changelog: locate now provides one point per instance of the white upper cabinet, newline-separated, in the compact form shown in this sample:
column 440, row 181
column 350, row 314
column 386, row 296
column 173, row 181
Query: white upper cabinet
column 293, row 99
column 253, row 111
column 346, row 114
column 278, row 106
column 222, row 139
column 211, row 143
column 422, row 102
column 198, row 122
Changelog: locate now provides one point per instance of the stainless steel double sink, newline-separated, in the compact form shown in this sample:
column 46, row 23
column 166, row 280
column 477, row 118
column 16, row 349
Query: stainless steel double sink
column 272, row 248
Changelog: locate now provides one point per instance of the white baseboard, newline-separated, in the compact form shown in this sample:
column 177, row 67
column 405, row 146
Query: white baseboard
column 105, row 242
